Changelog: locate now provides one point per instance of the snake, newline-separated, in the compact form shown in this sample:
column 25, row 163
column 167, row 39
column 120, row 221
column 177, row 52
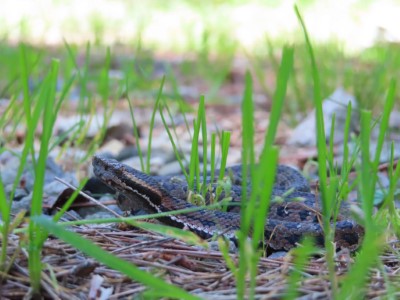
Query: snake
column 288, row 221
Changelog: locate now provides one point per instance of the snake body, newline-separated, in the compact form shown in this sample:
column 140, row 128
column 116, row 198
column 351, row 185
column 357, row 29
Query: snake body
column 287, row 222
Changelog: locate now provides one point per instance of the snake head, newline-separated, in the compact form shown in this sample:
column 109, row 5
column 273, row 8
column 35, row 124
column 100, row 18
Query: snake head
column 128, row 181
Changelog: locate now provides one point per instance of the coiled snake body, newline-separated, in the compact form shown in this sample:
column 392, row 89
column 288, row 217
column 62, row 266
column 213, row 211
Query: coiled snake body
column 287, row 223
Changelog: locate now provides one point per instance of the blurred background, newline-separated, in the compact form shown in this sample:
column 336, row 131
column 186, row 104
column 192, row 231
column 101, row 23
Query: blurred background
column 109, row 51
column 206, row 45
column 180, row 26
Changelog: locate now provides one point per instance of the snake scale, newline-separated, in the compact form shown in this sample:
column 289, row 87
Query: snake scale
column 287, row 222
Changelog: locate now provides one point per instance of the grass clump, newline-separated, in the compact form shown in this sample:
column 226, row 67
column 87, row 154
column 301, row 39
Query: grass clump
column 41, row 106
column 353, row 284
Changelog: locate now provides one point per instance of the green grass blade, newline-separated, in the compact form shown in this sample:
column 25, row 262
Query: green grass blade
column 368, row 176
column 194, row 157
column 248, row 161
column 68, row 136
column 141, row 217
column 346, row 166
column 8, row 113
column 354, row 283
column 70, row 201
column 394, row 175
column 27, row 147
column 135, row 130
column 156, row 107
column 202, row 114
column 104, row 82
column 25, row 82
column 265, row 172
column 321, row 141
column 387, row 109
column 225, row 142
column 212, row 158
column 301, row 257
column 112, row 261
column 194, row 171
column 46, row 100
column 166, row 106
column 84, row 76
column 183, row 106
column 5, row 216
column 392, row 195
column 285, row 70
column 328, row 193
column 331, row 154
column 63, row 94
column 99, row 137
column 223, row 247
column 174, row 147
column 186, row 236
column 265, row 178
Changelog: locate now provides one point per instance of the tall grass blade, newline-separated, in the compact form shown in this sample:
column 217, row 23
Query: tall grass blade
column 104, row 81
column 183, row 106
column 174, row 147
column 46, row 100
column 328, row 193
column 5, row 216
column 135, row 129
column 346, row 165
column 366, row 170
column 286, row 68
column 248, row 161
column 354, row 284
column 269, row 156
column 301, row 257
column 384, row 124
column 194, row 172
column 156, row 107
column 225, row 142
column 204, row 136
column 166, row 106
column 112, row 261
column 212, row 158
column 69, row 202
column 32, row 121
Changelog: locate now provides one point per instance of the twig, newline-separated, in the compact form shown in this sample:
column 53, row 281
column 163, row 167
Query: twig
column 88, row 197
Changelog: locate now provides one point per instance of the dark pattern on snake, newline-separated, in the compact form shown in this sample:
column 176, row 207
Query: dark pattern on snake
column 287, row 223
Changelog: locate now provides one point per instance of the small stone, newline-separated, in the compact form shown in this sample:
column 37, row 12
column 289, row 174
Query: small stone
column 71, row 215
column 305, row 133
column 113, row 147
column 214, row 246
column 23, row 204
column 394, row 121
column 127, row 152
column 171, row 168
column 386, row 151
column 134, row 162
column 19, row 194
column 99, row 215
column 278, row 255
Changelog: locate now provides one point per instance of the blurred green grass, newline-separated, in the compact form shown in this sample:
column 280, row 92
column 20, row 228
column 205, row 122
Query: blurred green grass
column 366, row 74
column 202, row 44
